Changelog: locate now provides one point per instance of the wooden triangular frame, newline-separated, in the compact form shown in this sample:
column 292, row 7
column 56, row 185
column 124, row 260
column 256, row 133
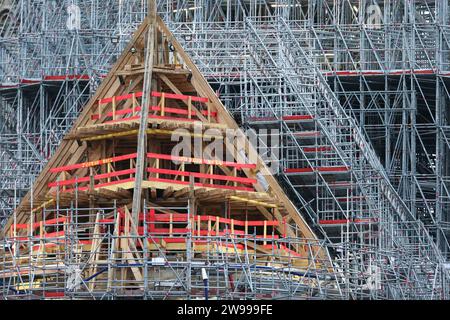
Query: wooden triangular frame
column 113, row 114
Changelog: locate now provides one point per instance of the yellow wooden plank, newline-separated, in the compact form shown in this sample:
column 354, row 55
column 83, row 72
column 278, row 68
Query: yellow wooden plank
column 255, row 202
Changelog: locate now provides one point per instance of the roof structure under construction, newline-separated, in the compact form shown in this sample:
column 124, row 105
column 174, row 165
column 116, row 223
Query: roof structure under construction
column 222, row 150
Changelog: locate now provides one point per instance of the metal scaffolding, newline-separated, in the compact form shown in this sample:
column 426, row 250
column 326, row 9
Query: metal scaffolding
column 357, row 89
column 80, row 258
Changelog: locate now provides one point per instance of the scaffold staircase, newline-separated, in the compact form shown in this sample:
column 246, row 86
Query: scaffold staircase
column 326, row 159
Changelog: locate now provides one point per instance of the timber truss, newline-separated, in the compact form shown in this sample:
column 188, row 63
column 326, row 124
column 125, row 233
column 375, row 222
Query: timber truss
column 116, row 213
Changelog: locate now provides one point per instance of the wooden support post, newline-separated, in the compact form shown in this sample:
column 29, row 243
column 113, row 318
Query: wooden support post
column 163, row 104
column 166, row 51
column 134, row 230
column 190, row 107
column 217, row 226
column 132, row 163
column 114, row 106
column 91, row 179
column 146, row 100
column 157, row 167
column 175, row 58
column 211, row 171
column 99, row 110
column 246, row 227
column 109, row 171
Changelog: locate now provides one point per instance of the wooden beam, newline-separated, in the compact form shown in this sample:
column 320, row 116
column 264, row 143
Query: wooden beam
column 254, row 202
column 146, row 100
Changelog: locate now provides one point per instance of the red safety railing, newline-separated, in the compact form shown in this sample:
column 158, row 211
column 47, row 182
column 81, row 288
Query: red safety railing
column 157, row 173
column 160, row 111
column 170, row 226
